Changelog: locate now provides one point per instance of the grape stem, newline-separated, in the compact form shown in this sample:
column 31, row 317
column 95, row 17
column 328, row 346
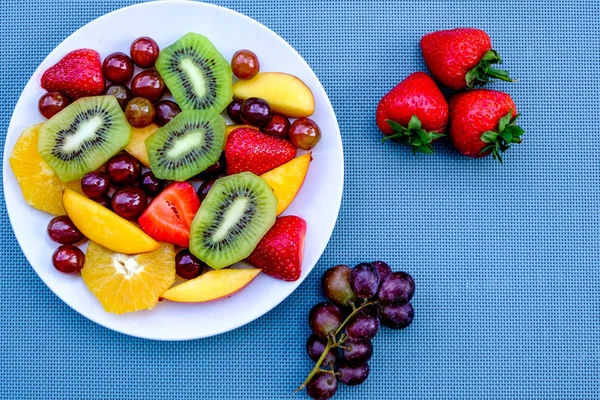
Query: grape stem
column 332, row 344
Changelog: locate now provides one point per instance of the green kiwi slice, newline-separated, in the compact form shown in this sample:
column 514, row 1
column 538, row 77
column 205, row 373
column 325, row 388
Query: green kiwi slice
column 237, row 212
column 196, row 73
column 187, row 145
column 83, row 136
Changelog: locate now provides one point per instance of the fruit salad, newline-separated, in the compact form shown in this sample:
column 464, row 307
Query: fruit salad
column 148, row 182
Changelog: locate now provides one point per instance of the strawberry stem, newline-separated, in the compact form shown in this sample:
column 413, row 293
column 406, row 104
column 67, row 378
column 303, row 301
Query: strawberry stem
column 413, row 135
column 481, row 74
column 508, row 132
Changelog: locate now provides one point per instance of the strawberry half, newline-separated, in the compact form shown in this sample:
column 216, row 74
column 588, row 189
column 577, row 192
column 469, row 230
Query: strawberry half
column 250, row 150
column 281, row 250
column 78, row 74
column 169, row 216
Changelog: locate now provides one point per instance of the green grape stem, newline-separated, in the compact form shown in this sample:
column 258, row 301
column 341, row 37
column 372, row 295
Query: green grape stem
column 332, row 343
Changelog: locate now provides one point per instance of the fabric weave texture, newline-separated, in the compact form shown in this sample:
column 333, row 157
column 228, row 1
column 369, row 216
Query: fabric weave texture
column 505, row 257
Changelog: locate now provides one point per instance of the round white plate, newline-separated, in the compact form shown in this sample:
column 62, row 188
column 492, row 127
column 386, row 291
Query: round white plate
column 318, row 201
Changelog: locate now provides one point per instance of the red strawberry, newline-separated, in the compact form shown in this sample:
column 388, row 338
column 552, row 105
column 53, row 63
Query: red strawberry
column 78, row 74
column 461, row 58
column 281, row 250
column 415, row 113
column 250, row 150
column 169, row 216
column 483, row 122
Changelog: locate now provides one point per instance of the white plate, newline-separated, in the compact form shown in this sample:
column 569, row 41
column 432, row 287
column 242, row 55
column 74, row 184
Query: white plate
column 318, row 201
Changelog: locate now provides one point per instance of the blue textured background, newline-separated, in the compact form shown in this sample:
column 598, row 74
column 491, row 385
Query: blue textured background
column 505, row 258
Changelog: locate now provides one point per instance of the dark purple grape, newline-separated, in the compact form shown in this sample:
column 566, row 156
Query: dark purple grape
column 315, row 347
column 123, row 169
column 104, row 201
column 62, row 230
column 278, row 126
column 336, row 285
column 151, row 184
column 121, row 93
column 51, row 103
column 322, row 386
column 397, row 288
column 324, row 318
column 129, row 202
column 383, row 268
column 234, row 111
column 357, row 351
column 68, row 259
column 364, row 280
column 95, row 184
column 363, row 325
column 205, row 188
column 352, row 376
column 397, row 317
column 255, row 112
column 188, row 266
column 166, row 110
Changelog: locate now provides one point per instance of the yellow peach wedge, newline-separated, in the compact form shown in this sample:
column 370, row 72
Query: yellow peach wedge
column 104, row 227
column 285, row 93
column 287, row 179
column 212, row 285
column 137, row 146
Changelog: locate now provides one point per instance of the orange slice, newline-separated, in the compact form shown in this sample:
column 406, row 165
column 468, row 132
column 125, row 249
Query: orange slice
column 127, row 283
column 41, row 188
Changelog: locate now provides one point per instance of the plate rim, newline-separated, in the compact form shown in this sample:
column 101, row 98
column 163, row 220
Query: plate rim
column 338, row 193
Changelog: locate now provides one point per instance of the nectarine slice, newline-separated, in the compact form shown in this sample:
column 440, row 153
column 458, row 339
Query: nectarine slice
column 287, row 179
column 285, row 93
column 137, row 145
column 104, row 227
column 212, row 285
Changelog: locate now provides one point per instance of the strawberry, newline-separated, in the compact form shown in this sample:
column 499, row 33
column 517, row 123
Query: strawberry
column 483, row 122
column 169, row 217
column 414, row 112
column 461, row 58
column 281, row 250
column 251, row 150
column 78, row 74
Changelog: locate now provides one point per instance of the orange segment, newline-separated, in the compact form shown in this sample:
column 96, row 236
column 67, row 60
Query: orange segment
column 137, row 146
column 127, row 283
column 41, row 188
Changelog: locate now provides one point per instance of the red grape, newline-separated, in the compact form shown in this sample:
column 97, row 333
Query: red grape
column 383, row 268
column 149, row 85
column 357, row 351
column 123, row 169
column 166, row 110
column 51, row 103
column 244, row 64
column 121, row 93
column 397, row 288
column 144, row 52
column 352, row 376
column 68, row 259
column 305, row 133
column 129, row 202
column 62, row 230
column 278, row 126
column 140, row 112
column 315, row 347
column 322, row 386
column 395, row 316
column 324, row 318
column 188, row 266
column 255, row 112
column 95, row 184
column 364, row 280
column 234, row 110
column 363, row 325
column 336, row 285
column 117, row 67
column 151, row 184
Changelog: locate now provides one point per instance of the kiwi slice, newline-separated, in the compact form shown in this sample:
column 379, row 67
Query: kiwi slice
column 196, row 73
column 83, row 136
column 186, row 146
column 237, row 212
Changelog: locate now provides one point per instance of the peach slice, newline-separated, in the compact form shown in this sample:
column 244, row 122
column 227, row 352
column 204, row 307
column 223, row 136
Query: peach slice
column 137, row 146
column 287, row 179
column 104, row 227
column 212, row 285
column 285, row 93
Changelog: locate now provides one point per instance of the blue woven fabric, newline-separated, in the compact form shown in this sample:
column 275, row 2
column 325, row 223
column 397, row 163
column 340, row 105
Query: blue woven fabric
column 505, row 257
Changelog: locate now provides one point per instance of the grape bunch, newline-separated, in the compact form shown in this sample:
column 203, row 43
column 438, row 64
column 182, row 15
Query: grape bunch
column 360, row 299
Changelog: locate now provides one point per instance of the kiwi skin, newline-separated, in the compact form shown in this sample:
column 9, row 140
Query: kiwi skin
column 208, row 129
column 256, row 219
column 57, row 133
column 201, row 53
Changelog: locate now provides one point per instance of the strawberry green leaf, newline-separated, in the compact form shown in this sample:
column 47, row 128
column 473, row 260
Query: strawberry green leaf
column 481, row 74
column 413, row 135
column 507, row 133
